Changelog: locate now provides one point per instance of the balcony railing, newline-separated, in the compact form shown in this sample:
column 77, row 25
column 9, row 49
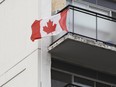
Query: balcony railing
column 91, row 25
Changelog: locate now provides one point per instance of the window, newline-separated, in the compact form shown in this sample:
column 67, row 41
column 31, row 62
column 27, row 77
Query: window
column 83, row 82
column 90, row 5
column 64, row 73
column 60, row 79
column 102, row 85
column 113, row 14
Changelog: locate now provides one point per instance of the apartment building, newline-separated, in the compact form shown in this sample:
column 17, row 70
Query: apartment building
column 83, row 57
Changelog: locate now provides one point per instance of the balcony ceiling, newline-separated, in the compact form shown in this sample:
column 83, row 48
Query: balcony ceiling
column 85, row 52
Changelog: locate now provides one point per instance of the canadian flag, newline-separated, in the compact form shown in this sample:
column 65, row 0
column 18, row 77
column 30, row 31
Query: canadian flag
column 49, row 26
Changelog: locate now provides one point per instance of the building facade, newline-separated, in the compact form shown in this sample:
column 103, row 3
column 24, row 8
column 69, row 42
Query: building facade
column 84, row 57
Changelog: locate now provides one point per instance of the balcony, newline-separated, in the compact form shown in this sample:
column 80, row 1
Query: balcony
column 90, row 42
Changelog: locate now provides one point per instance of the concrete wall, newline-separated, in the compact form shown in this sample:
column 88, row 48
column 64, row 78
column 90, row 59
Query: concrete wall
column 45, row 8
column 16, row 17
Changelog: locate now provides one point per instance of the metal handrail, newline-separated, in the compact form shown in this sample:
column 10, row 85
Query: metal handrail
column 71, row 85
column 89, row 12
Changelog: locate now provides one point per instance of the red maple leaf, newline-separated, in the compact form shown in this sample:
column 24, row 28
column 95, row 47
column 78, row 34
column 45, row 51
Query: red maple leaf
column 50, row 27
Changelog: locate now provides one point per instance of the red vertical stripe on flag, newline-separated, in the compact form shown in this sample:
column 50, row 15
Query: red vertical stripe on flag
column 62, row 21
column 36, row 30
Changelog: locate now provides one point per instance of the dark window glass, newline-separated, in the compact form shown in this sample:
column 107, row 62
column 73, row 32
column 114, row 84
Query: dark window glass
column 68, row 2
column 113, row 86
column 107, row 3
column 83, row 82
column 72, row 68
column 56, row 83
column 114, row 14
column 60, row 79
column 81, row 71
column 102, row 85
column 91, row 1
column 106, row 78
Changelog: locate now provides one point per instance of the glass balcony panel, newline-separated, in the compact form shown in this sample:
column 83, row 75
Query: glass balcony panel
column 69, row 26
column 84, row 24
column 106, row 30
column 70, row 21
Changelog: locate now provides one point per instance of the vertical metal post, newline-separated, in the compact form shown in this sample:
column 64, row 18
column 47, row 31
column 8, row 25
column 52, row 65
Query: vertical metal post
column 72, row 79
column 96, row 28
column 94, row 84
column 73, row 21
column 96, row 2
